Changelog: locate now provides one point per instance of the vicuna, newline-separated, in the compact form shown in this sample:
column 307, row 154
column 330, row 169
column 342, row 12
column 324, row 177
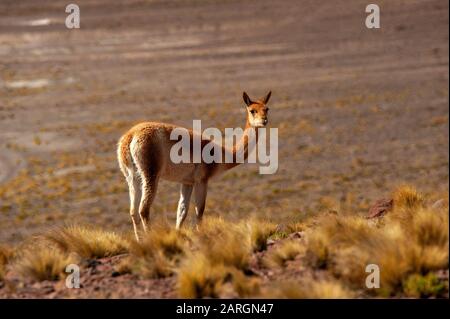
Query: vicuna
column 144, row 158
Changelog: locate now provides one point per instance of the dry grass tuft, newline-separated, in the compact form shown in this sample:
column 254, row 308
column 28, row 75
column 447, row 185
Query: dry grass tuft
column 260, row 231
column 199, row 278
column 278, row 256
column 5, row 256
column 412, row 241
column 335, row 230
column 42, row 263
column 157, row 254
column 88, row 242
column 309, row 289
column 295, row 227
column 220, row 259
column 427, row 227
column 407, row 197
column 318, row 250
column 225, row 243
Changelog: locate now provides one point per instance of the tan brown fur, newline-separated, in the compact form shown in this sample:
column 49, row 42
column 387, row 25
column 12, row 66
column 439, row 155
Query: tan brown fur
column 144, row 158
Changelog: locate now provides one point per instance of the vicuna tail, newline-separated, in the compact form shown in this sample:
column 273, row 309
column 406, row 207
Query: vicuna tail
column 124, row 155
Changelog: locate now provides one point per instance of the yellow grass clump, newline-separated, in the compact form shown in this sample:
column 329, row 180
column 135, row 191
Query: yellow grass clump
column 287, row 251
column 408, row 198
column 412, row 241
column 427, row 226
column 219, row 260
column 260, row 231
column 224, row 243
column 42, row 263
column 309, row 289
column 88, row 242
column 199, row 278
column 157, row 254
column 5, row 256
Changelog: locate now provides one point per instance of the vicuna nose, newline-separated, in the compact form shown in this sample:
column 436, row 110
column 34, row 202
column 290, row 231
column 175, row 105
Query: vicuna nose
column 265, row 121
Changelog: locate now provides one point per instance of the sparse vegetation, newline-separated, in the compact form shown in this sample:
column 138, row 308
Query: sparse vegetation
column 349, row 133
column 157, row 254
column 310, row 289
column 260, row 232
column 413, row 240
column 42, row 263
column 88, row 242
column 408, row 198
column 419, row 286
column 287, row 251
column 225, row 243
column 5, row 255
column 199, row 278
column 222, row 258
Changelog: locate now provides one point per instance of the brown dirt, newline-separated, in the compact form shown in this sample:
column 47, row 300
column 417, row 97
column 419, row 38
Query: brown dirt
column 98, row 279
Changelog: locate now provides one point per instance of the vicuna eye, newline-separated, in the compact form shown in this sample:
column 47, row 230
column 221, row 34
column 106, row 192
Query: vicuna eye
column 253, row 112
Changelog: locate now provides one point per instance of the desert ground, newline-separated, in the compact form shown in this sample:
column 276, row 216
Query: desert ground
column 359, row 111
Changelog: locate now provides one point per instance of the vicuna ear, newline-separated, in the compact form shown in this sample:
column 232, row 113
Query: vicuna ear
column 266, row 99
column 247, row 99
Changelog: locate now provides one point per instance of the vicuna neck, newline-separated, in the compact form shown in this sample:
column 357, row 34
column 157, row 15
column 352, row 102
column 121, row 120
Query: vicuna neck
column 239, row 146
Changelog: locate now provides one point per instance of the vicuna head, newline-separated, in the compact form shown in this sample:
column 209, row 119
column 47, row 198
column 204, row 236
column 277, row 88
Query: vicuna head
column 257, row 110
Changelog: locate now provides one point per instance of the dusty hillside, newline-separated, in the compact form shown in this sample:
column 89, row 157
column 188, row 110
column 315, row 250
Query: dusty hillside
column 359, row 111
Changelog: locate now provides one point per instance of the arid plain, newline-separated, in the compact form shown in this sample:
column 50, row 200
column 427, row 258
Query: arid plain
column 359, row 111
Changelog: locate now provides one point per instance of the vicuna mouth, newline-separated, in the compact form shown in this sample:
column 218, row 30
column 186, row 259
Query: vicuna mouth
column 261, row 124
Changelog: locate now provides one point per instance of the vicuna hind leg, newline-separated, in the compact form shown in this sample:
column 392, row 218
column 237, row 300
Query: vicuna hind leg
column 200, row 191
column 149, row 186
column 183, row 204
column 135, row 197
column 147, row 168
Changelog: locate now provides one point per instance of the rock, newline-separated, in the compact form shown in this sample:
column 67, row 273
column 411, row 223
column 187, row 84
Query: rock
column 298, row 234
column 380, row 208
column 92, row 263
column 439, row 204
column 442, row 274
column 270, row 242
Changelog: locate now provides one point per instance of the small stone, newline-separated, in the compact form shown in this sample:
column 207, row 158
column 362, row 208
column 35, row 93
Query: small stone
column 380, row 208
column 92, row 263
column 442, row 274
column 296, row 235
column 439, row 204
column 270, row 242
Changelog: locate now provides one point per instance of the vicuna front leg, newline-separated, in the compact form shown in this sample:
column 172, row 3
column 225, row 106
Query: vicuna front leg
column 183, row 204
column 200, row 191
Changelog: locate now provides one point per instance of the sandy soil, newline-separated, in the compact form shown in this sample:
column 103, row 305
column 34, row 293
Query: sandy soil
column 359, row 111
